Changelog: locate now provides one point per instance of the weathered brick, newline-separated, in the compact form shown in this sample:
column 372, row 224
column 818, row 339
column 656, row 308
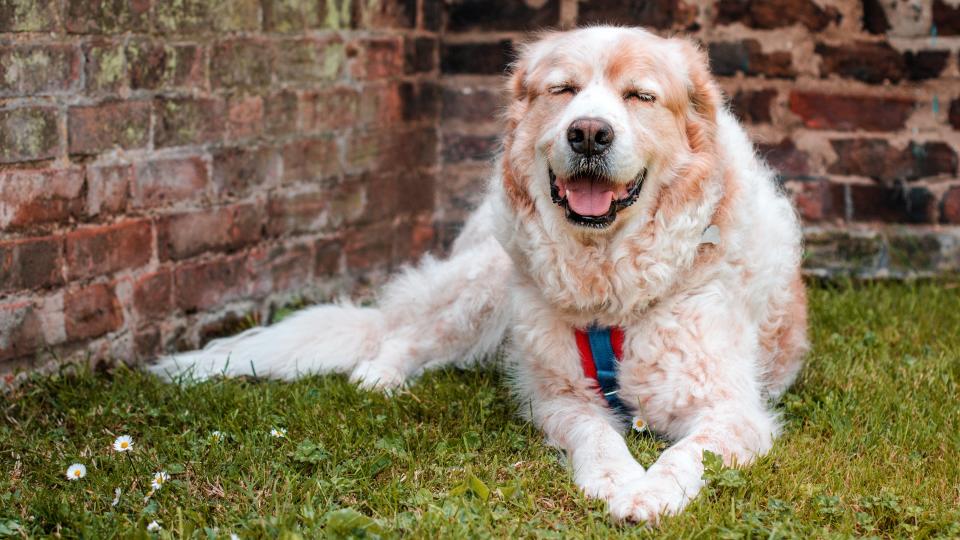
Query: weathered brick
column 241, row 63
column 420, row 101
column 946, row 18
column 98, row 128
column 505, row 15
column 167, row 181
column 297, row 213
column 290, row 267
column 28, row 134
column 103, row 249
column 236, row 171
column 288, row 16
column 108, row 188
column 395, row 14
column 208, row 284
column 786, row 158
column 396, row 149
column 280, row 112
column 328, row 257
column 21, row 329
column 954, row 115
column 189, row 121
column 875, row 17
column 820, row 110
column 465, row 147
column 768, row 14
column 334, row 108
column 105, row 66
column 753, row 106
column 147, row 343
column 924, row 65
column 950, row 206
column 398, row 194
column 38, row 69
column 470, row 104
column 419, row 55
column 190, row 17
column 370, row 248
column 376, row 58
column 153, row 295
column 661, row 14
column 867, row 61
column 727, row 58
column 875, row 158
column 187, row 234
column 107, row 16
column 244, row 116
column 91, row 312
column 159, row 66
column 819, row 200
column 30, row 264
column 310, row 160
column 28, row 15
column 476, row 58
column 31, row 197
column 309, row 60
column 889, row 204
column 381, row 106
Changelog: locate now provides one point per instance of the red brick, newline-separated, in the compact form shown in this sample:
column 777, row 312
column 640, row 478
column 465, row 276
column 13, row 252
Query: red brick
column 244, row 117
column 875, row 158
column 32, row 16
column 393, row 149
column 768, row 14
column 753, row 106
column 472, row 104
column 160, row 66
column 92, row 251
column 31, row 263
column 786, row 158
column 946, row 18
column 661, row 14
column 395, row 14
column 747, row 56
column 31, row 197
column 91, row 312
column 290, row 267
column 153, row 295
column 309, row 61
column 376, row 58
column 21, row 329
column 849, row 112
column 370, row 247
column 950, row 206
column 819, row 200
column 464, row 147
column 237, row 171
column 310, row 160
column 184, row 235
column 105, row 67
column 867, row 61
column 108, row 188
column 209, row 284
column 100, row 17
column 39, row 69
column 241, row 63
column 28, row 134
column 297, row 213
column 280, row 113
column 167, row 181
column 335, row 108
column 189, row 121
column 381, row 106
column 97, row 128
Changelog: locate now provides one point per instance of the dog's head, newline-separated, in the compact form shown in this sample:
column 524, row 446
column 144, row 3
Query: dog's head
column 601, row 116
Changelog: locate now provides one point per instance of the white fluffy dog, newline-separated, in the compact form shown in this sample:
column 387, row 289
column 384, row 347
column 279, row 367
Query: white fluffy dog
column 632, row 248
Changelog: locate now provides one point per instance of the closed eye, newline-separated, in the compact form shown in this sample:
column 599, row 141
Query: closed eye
column 645, row 97
column 562, row 89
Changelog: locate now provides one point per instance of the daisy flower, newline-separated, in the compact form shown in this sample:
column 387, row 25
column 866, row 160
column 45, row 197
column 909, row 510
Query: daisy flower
column 234, row 536
column 638, row 424
column 76, row 471
column 116, row 497
column 217, row 436
column 124, row 443
column 278, row 433
column 154, row 526
column 159, row 479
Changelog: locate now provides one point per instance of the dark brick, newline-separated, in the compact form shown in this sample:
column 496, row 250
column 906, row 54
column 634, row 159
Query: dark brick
column 310, row 160
column 768, row 14
column 432, row 14
column 309, row 60
column 97, row 128
column 870, row 62
column 184, row 235
column 924, row 65
column 954, row 115
column 31, row 263
column 875, row 202
column 875, row 17
column 849, row 112
column 382, row 106
column 753, row 106
column 209, row 284
column 103, row 249
column 189, row 121
column 875, row 158
column 21, row 329
column 465, row 147
column 946, row 18
column 328, row 258
column 166, row 181
column 921, row 205
column 476, row 58
column 376, row 58
column 470, row 104
column 394, row 149
column 38, row 69
column 661, row 14
column 241, row 63
column 108, row 188
column 950, row 206
column 421, row 101
column 727, row 58
column 237, row 171
column 786, row 158
column 91, row 312
column 289, row 16
column 106, row 16
column 105, row 67
column 502, row 15
column 157, row 66
column 280, row 112
column 191, row 17
column 148, row 343
column 153, row 295
column 28, row 15
column 419, row 55
column 31, row 197
column 28, row 134
column 819, row 200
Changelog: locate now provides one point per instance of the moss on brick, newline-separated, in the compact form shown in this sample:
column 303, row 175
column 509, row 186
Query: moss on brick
column 28, row 134
column 27, row 15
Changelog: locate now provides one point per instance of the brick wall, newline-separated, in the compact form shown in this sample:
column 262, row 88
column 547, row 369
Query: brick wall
column 168, row 168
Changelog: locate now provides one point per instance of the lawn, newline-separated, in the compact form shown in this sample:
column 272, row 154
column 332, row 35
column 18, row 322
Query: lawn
column 871, row 448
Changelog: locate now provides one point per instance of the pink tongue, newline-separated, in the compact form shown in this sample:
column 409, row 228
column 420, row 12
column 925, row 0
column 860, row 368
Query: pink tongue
column 589, row 198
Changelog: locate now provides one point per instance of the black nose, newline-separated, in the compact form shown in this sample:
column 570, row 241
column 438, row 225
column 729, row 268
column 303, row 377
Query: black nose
column 589, row 136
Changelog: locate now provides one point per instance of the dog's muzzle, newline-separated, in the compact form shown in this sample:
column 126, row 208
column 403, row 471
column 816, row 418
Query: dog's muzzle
column 596, row 221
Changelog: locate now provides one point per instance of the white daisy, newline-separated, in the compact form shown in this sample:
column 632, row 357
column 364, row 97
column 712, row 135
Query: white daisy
column 234, row 536
column 154, row 526
column 159, row 479
column 638, row 424
column 124, row 443
column 278, row 433
column 116, row 497
column 217, row 436
column 76, row 471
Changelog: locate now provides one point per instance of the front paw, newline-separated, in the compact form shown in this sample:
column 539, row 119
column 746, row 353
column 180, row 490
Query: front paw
column 605, row 481
column 647, row 500
column 380, row 376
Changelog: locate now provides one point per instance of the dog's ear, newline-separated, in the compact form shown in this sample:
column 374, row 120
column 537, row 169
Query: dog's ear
column 704, row 96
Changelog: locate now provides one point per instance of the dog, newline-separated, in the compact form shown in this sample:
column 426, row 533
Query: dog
column 633, row 256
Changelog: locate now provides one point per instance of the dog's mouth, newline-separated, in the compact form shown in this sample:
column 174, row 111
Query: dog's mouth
column 593, row 200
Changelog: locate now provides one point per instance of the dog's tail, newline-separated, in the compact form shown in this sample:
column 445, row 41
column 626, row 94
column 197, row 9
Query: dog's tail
column 330, row 338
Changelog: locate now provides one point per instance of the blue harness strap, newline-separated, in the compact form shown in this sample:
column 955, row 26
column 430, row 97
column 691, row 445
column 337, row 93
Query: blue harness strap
column 604, row 360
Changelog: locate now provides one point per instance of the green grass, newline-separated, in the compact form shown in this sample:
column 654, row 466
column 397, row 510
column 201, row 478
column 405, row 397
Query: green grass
column 871, row 448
